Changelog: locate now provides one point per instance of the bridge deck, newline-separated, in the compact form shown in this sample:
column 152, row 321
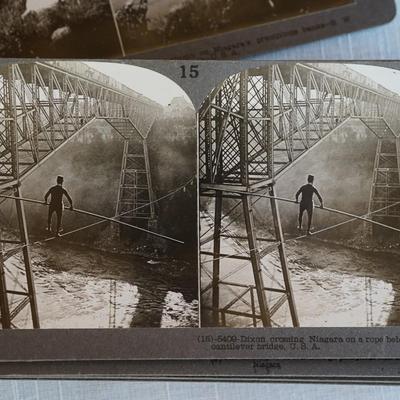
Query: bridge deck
column 81, row 71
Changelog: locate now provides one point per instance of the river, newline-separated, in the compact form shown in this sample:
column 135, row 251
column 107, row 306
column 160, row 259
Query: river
column 333, row 285
column 75, row 289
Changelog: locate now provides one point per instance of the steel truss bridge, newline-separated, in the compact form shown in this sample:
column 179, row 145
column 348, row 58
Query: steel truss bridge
column 43, row 106
column 253, row 128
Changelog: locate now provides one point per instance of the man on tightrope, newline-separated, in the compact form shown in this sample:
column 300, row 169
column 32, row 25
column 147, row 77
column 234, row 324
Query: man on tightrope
column 56, row 203
column 306, row 204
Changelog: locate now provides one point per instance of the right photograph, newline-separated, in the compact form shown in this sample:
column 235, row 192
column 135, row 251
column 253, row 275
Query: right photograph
column 150, row 24
column 299, row 167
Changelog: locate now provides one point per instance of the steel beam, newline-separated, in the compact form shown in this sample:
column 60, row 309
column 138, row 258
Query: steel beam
column 283, row 257
column 216, row 257
column 255, row 260
column 23, row 231
column 4, row 303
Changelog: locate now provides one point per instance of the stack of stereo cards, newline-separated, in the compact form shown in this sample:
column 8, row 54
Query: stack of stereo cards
column 171, row 29
column 235, row 220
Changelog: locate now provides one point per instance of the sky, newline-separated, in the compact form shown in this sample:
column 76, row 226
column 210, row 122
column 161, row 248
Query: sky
column 155, row 6
column 147, row 82
column 38, row 4
column 387, row 77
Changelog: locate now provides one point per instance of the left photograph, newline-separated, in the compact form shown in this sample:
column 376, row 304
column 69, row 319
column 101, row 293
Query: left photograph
column 97, row 162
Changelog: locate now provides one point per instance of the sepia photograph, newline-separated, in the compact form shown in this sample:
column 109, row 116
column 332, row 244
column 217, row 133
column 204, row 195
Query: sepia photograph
column 171, row 29
column 300, row 197
column 148, row 24
column 58, row 28
column 98, row 160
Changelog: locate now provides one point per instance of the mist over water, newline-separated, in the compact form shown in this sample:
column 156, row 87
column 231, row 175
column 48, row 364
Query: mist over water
column 343, row 169
column 91, row 167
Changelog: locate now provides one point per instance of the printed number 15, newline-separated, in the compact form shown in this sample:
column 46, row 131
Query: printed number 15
column 192, row 72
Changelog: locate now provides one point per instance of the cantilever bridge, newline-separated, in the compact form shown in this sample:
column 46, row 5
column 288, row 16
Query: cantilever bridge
column 43, row 105
column 254, row 127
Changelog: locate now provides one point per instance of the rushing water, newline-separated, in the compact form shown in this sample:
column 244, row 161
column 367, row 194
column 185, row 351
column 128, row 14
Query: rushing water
column 338, row 286
column 77, row 288
column 333, row 285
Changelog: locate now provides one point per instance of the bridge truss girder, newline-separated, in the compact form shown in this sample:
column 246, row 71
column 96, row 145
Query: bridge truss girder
column 285, row 109
column 43, row 105
column 253, row 128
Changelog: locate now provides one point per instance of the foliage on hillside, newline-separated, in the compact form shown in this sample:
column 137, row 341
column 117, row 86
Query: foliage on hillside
column 30, row 33
column 206, row 17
